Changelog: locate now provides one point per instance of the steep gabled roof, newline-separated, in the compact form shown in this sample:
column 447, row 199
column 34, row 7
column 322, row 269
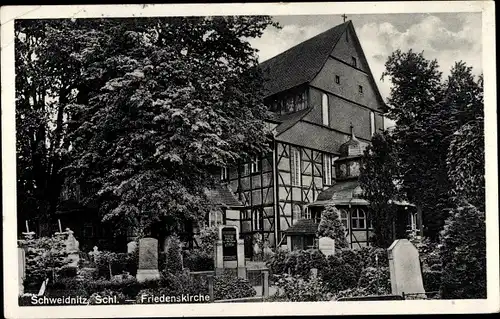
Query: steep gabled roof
column 301, row 63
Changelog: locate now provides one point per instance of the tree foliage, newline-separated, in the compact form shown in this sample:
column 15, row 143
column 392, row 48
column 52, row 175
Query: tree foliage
column 427, row 112
column 378, row 177
column 463, row 254
column 138, row 112
column 332, row 226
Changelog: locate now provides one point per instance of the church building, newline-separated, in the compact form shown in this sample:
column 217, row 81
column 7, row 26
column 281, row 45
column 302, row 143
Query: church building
column 324, row 106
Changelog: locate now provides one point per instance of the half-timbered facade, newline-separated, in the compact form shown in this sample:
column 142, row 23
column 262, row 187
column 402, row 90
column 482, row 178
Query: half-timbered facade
column 317, row 92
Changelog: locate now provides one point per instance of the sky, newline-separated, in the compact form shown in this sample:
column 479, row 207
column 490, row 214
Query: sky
column 447, row 37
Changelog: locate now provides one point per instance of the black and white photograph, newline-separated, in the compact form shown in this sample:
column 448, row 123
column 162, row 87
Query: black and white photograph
column 191, row 160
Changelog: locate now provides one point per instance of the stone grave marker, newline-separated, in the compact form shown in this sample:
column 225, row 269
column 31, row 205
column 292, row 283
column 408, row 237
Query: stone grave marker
column 229, row 251
column 72, row 248
column 326, row 246
column 21, row 259
column 404, row 266
column 148, row 260
column 131, row 247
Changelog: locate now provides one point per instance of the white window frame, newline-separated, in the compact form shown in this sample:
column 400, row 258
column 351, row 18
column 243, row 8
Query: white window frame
column 324, row 110
column 344, row 216
column 306, row 213
column 295, row 171
column 372, row 122
column 254, row 166
column 327, row 169
column 358, row 214
column 223, row 173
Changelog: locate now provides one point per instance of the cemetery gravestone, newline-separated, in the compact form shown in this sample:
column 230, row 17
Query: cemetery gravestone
column 326, row 245
column 229, row 248
column 229, row 251
column 148, row 260
column 72, row 248
column 21, row 258
column 404, row 266
column 131, row 247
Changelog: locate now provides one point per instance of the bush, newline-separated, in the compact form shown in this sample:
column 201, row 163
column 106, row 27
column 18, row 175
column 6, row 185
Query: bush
column 45, row 257
column 331, row 226
column 277, row 263
column 182, row 283
column 338, row 275
column 298, row 262
column 198, row 260
column 173, row 255
column 296, row 288
column 432, row 280
column 232, row 287
column 463, row 254
column 375, row 281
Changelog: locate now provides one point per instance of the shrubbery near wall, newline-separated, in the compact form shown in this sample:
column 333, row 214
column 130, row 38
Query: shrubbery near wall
column 364, row 270
column 46, row 257
column 231, row 287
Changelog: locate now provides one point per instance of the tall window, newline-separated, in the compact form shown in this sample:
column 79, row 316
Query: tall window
column 360, row 89
column 215, row 218
column 258, row 220
column 372, row 123
column 306, row 213
column 344, row 218
column 254, row 168
column 337, row 79
column 324, row 104
column 245, row 170
column 297, row 213
column 295, row 167
column 358, row 218
column 223, row 173
column 354, row 62
column 327, row 169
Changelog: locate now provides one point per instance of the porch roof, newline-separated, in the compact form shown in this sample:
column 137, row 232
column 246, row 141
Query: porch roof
column 222, row 195
column 303, row 227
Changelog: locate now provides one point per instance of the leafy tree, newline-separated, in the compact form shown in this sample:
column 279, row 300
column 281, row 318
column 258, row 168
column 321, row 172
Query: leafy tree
column 47, row 75
column 378, row 177
column 463, row 254
column 174, row 255
column 465, row 158
column 331, row 226
column 427, row 112
column 169, row 100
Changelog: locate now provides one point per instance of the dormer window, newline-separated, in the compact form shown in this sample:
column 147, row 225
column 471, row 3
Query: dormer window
column 324, row 109
column 354, row 62
column 337, row 79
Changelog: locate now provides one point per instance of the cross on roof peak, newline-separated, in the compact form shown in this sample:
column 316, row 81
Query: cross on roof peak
column 344, row 17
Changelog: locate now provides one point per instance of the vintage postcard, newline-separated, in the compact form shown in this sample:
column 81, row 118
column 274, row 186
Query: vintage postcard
column 194, row 160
